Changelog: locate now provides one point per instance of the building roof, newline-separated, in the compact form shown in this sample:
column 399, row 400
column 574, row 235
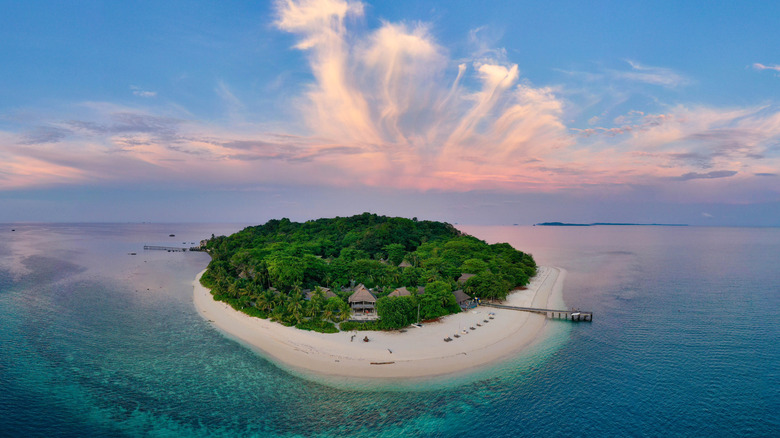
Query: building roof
column 464, row 277
column 362, row 295
column 400, row 292
column 461, row 296
column 328, row 293
column 405, row 264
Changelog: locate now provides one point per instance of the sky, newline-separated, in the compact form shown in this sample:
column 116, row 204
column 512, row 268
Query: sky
column 498, row 112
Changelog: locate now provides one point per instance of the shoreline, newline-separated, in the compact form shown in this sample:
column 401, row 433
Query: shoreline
column 417, row 353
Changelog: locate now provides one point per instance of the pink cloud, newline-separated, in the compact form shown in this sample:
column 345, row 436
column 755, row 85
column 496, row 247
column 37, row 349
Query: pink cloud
column 388, row 107
column 759, row 66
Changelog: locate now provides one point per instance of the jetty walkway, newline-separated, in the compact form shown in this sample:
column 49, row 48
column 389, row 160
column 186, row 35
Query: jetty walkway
column 571, row 315
column 164, row 248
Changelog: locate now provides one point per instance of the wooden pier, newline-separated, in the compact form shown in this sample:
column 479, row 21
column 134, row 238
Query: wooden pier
column 571, row 315
column 164, row 248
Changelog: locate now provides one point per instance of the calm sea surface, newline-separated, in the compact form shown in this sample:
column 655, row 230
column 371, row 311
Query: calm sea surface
column 685, row 342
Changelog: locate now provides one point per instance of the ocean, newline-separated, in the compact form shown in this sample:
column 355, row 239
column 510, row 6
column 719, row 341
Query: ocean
column 95, row 341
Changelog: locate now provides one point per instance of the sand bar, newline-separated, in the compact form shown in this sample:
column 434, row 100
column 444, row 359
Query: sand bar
column 419, row 352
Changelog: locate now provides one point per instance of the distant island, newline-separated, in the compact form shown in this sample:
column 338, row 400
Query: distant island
column 564, row 224
column 388, row 272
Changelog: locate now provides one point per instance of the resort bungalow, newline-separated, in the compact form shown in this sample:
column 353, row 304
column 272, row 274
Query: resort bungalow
column 463, row 300
column 400, row 292
column 362, row 301
column 465, row 277
column 405, row 264
column 328, row 293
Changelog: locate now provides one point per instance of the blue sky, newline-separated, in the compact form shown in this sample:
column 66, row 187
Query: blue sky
column 498, row 112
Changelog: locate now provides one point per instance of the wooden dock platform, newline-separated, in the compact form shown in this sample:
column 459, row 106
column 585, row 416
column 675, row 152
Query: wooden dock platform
column 571, row 315
column 164, row 248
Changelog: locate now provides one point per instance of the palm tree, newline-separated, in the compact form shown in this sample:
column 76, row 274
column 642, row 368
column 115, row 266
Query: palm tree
column 316, row 302
column 295, row 307
column 310, row 310
column 278, row 313
column 233, row 290
column 345, row 313
column 265, row 300
column 270, row 298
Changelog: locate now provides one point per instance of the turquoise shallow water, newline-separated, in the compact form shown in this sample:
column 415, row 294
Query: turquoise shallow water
column 96, row 342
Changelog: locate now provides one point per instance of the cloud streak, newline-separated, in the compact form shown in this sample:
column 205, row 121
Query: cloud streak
column 651, row 75
column 759, row 66
column 708, row 175
column 138, row 91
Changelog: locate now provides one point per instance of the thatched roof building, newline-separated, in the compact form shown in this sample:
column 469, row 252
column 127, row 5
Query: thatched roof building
column 465, row 277
column 328, row 293
column 400, row 292
column 362, row 300
column 461, row 297
column 405, row 264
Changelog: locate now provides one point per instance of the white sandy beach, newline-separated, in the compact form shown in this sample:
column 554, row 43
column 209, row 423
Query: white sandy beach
column 419, row 352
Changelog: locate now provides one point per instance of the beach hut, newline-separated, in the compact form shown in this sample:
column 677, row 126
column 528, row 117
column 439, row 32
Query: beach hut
column 400, row 292
column 465, row 277
column 362, row 301
column 462, row 299
column 405, row 264
column 328, row 293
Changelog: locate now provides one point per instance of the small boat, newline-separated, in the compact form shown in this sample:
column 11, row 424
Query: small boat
column 171, row 235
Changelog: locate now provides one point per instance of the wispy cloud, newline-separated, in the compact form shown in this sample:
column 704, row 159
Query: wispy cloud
column 128, row 122
column 389, row 107
column 138, row 91
column 708, row 175
column 395, row 90
column 759, row 66
column 650, row 75
column 44, row 134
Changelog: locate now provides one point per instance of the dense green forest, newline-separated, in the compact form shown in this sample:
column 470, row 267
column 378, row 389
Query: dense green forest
column 266, row 270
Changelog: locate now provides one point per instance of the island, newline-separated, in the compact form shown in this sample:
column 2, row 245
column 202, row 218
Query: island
column 372, row 296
